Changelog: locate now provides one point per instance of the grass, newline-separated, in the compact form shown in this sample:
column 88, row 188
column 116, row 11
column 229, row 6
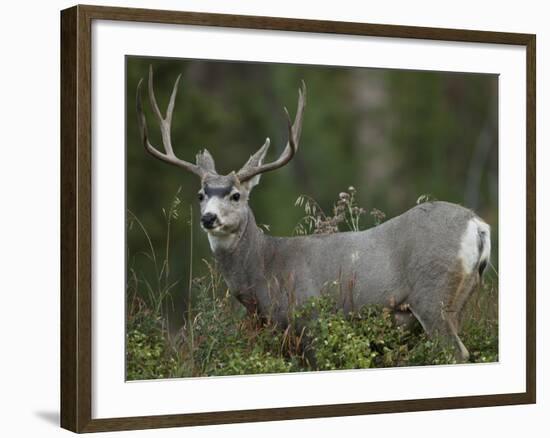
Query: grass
column 219, row 338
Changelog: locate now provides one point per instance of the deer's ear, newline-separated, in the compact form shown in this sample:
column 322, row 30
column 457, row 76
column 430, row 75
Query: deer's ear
column 254, row 161
column 251, row 183
column 206, row 162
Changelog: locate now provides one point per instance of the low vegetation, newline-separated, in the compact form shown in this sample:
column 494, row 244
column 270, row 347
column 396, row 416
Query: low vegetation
column 219, row 338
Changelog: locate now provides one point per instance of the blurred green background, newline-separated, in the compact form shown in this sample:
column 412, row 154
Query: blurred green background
column 392, row 134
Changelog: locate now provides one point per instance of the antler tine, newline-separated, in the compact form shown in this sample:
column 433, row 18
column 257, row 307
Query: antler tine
column 294, row 132
column 165, row 127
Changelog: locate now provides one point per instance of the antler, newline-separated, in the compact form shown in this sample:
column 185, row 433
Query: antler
column 254, row 167
column 165, row 126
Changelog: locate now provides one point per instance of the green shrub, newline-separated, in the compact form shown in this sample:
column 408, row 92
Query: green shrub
column 365, row 339
column 148, row 353
column 227, row 341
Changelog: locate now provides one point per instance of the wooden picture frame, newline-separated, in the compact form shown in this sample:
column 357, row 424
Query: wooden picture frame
column 76, row 217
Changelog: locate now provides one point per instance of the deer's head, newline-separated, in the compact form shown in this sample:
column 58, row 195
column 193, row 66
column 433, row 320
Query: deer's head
column 223, row 198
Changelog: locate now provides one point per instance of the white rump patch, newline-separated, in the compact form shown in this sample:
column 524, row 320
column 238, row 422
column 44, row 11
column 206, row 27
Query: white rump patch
column 485, row 235
column 354, row 256
column 470, row 244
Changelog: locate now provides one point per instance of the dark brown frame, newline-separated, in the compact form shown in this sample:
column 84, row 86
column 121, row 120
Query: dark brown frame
column 76, row 238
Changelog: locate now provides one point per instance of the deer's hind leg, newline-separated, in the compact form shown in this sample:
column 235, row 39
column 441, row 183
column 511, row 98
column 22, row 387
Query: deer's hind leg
column 465, row 285
column 442, row 315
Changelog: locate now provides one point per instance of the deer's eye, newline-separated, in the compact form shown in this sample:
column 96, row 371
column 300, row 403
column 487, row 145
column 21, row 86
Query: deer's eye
column 235, row 196
column 201, row 197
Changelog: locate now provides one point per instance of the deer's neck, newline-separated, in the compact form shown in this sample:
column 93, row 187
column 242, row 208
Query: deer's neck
column 240, row 257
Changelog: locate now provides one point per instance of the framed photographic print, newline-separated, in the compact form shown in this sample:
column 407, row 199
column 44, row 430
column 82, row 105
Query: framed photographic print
column 268, row 218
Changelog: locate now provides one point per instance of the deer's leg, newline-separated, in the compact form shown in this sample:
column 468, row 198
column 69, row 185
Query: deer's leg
column 404, row 319
column 451, row 334
column 443, row 324
column 438, row 308
column 453, row 310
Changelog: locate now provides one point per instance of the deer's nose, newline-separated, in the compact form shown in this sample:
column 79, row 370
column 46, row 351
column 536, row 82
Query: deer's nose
column 208, row 220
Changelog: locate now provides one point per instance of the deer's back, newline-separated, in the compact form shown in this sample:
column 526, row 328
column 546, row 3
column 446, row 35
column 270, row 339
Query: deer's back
column 379, row 265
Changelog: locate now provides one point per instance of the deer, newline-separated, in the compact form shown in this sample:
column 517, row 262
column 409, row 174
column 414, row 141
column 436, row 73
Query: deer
column 423, row 265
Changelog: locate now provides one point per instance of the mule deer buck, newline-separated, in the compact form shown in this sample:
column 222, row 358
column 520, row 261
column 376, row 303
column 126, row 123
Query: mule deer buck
column 423, row 264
